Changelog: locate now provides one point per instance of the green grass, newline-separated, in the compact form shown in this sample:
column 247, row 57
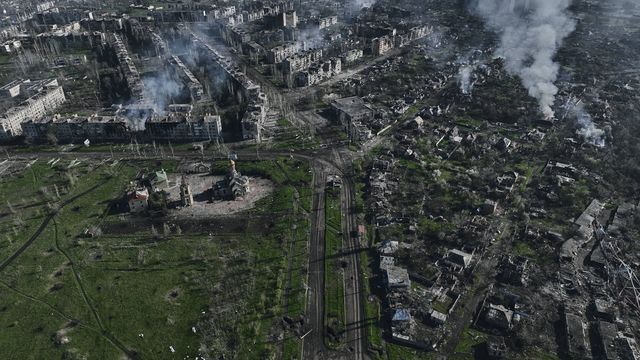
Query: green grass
column 399, row 352
column 470, row 338
column 372, row 308
column 442, row 307
column 523, row 249
column 297, row 257
column 468, row 121
column 283, row 122
column 229, row 285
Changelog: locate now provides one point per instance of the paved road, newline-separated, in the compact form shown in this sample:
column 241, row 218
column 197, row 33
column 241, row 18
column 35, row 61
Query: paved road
column 313, row 343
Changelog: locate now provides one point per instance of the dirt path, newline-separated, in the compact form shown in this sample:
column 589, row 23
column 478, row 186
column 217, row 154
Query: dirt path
column 103, row 329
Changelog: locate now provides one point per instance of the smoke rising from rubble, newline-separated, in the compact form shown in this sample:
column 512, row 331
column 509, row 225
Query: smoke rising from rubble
column 531, row 31
column 361, row 4
column 464, row 79
column 310, row 38
column 587, row 129
column 159, row 90
column 469, row 63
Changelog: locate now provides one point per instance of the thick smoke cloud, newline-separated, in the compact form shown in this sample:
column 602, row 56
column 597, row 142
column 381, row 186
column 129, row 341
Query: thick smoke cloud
column 310, row 38
column 531, row 31
column 586, row 128
column 159, row 91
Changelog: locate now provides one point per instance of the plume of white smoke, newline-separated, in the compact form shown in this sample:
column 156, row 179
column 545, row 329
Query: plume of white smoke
column 469, row 63
column 159, row 91
column 464, row 79
column 361, row 4
column 310, row 38
column 587, row 129
column 531, row 31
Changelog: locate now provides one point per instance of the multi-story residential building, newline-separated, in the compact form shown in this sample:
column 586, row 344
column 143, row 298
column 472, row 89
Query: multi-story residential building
column 43, row 97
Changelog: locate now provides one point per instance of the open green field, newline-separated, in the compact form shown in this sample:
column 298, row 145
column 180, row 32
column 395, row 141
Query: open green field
column 147, row 287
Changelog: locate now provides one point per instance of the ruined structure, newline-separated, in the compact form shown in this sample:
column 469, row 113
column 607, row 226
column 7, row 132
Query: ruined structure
column 39, row 98
column 186, row 196
column 233, row 187
column 128, row 68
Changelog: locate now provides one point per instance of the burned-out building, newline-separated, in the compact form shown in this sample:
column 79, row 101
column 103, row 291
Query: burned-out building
column 129, row 69
column 353, row 113
column 318, row 72
column 238, row 85
column 182, row 73
column 181, row 128
column 301, row 61
column 498, row 316
column 575, row 337
column 397, row 278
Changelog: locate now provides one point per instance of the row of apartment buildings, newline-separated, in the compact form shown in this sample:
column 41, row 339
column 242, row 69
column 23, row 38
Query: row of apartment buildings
column 319, row 71
column 176, row 127
column 182, row 72
column 244, row 90
column 382, row 44
column 42, row 97
column 128, row 68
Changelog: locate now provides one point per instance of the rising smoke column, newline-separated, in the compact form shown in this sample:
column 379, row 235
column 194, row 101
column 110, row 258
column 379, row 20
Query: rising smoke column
column 160, row 90
column 464, row 79
column 531, row 31
column 587, row 129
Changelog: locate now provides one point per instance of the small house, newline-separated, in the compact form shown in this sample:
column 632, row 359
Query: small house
column 138, row 200
column 397, row 278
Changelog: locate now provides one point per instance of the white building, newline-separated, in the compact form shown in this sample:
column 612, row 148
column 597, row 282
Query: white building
column 44, row 97
column 138, row 200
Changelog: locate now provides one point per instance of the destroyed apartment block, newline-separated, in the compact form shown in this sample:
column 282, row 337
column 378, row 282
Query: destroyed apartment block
column 458, row 260
column 498, row 317
column 505, row 184
column 129, row 70
column 352, row 56
column 558, row 168
column 488, row 207
column 584, row 229
column 401, row 323
column 180, row 71
column 387, row 262
column 353, row 114
column 318, row 72
column 33, row 100
column 397, row 278
column 301, row 61
column 514, row 270
column 388, row 247
column 575, row 341
column 437, row 318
